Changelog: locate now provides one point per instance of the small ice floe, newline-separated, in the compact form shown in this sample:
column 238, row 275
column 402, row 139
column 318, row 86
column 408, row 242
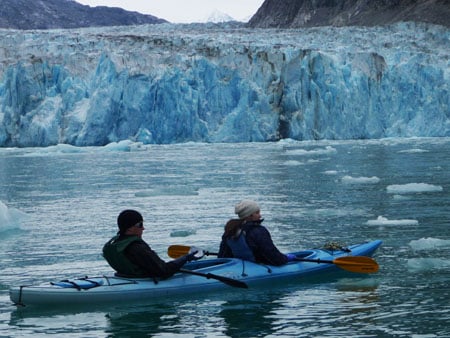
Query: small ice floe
column 318, row 151
column 354, row 284
column 178, row 191
column 55, row 150
column 182, row 233
column 330, row 172
column 429, row 244
column 360, row 180
column 401, row 197
column 384, row 221
column 124, row 145
column 414, row 151
column 427, row 264
column 293, row 163
column 10, row 218
column 412, row 188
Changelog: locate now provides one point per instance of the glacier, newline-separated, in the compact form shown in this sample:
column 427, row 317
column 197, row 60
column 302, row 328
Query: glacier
column 174, row 83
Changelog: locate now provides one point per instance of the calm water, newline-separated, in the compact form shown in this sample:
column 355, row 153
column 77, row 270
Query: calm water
column 58, row 206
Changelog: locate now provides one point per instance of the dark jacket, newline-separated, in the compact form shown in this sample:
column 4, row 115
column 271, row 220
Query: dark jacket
column 260, row 242
column 132, row 256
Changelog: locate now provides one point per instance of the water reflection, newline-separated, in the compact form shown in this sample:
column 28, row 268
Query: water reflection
column 225, row 315
column 142, row 321
column 250, row 316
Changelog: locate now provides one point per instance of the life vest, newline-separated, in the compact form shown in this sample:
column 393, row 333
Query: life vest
column 113, row 252
column 240, row 248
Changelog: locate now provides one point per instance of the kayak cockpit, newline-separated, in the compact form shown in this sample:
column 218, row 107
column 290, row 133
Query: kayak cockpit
column 304, row 254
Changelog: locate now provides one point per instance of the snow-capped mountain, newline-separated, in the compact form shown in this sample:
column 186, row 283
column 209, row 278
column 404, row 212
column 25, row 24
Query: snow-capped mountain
column 217, row 16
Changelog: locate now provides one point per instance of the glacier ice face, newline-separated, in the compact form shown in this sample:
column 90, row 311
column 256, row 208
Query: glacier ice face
column 220, row 83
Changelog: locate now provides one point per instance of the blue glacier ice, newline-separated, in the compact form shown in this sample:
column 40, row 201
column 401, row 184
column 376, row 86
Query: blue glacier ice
column 222, row 83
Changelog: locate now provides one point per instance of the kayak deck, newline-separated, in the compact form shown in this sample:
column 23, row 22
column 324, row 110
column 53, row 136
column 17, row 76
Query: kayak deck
column 197, row 277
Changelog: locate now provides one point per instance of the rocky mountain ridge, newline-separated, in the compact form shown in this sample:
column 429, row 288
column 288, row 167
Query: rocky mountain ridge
column 49, row 14
column 312, row 13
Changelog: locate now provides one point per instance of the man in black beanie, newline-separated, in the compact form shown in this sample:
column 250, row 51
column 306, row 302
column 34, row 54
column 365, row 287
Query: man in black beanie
column 131, row 256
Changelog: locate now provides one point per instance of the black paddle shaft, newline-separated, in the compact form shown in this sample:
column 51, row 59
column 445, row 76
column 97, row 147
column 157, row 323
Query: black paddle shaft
column 229, row 281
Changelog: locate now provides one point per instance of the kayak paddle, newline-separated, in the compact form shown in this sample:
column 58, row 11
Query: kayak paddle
column 229, row 281
column 359, row 264
column 176, row 251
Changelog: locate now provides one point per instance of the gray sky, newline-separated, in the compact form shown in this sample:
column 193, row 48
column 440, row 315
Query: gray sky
column 182, row 11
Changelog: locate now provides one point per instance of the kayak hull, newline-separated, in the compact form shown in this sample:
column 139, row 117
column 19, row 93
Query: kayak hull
column 113, row 289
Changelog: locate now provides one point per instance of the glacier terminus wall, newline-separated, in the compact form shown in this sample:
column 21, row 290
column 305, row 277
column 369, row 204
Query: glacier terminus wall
column 222, row 83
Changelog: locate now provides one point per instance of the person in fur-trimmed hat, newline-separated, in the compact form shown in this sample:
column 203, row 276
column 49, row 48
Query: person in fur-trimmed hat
column 246, row 238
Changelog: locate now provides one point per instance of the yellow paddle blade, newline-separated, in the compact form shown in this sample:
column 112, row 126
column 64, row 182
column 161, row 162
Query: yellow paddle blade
column 359, row 264
column 175, row 251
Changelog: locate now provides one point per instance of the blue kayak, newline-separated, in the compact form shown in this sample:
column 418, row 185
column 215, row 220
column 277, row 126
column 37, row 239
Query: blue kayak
column 197, row 277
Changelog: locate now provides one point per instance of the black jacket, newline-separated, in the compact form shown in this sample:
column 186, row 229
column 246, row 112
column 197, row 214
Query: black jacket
column 260, row 242
column 139, row 258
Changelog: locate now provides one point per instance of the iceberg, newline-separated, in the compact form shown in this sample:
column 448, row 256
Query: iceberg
column 173, row 83
column 412, row 188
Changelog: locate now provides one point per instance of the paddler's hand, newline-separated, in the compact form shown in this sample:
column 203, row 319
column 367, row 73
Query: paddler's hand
column 291, row 257
column 195, row 255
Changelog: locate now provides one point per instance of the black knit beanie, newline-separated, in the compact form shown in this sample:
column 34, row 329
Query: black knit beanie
column 127, row 219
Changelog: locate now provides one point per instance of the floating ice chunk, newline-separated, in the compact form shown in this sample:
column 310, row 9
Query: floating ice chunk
column 360, row 180
column 63, row 148
column 55, row 150
column 330, row 172
column 401, row 197
column 384, row 221
column 412, row 188
column 125, row 145
column 319, row 151
column 429, row 244
column 10, row 218
column 427, row 264
column 182, row 233
column 414, row 151
column 179, row 191
column 293, row 163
